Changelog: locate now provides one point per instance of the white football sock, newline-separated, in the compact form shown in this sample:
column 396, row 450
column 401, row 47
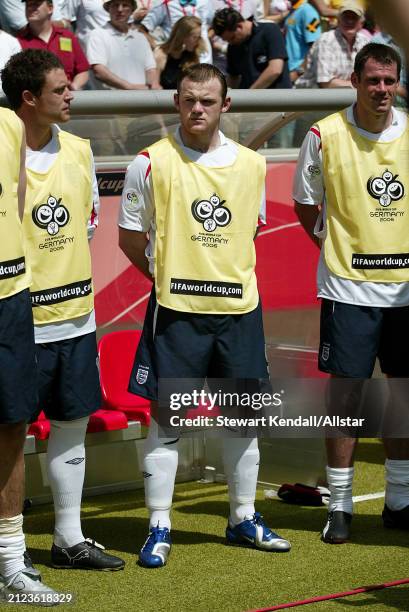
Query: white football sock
column 160, row 464
column 397, row 484
column 12, row 546
column 340, row 486
column 241, row 460
column 66, row 471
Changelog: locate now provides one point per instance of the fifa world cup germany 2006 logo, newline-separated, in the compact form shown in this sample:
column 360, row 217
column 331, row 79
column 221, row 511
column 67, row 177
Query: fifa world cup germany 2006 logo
column 211, row 213
column 386, row 189
column 52, row 215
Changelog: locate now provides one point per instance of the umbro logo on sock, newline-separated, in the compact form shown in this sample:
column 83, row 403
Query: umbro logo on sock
column 146, row 474
column 76, row 461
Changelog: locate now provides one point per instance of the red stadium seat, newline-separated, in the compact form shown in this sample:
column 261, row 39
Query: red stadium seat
column 40, row 428
column 107, row 420
column 116, row 354
column 101, row 420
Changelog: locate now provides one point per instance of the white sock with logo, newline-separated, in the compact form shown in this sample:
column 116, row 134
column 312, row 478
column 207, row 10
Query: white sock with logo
column 12, row 546
column 160, row 464
column 340, row 486
column 66, row 471
column 241, row 460
column 397, row 484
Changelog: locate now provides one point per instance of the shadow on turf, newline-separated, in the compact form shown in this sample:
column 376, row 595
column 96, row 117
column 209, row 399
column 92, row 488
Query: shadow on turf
column 367, row 529
column 395, row 598
column 370, row 452
column 129, row 535
column 131, row 500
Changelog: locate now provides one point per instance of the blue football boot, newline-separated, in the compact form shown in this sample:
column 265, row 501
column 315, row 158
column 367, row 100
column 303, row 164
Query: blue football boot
column 155, row 551
column 255, row 534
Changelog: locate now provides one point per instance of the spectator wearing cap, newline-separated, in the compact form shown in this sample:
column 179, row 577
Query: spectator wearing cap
column 166, row 13
column 40, row 33
column 121, row 57
column 302, row 29
column 331, row 60
column 13, row 18
column 256, row 54
column 84, row 16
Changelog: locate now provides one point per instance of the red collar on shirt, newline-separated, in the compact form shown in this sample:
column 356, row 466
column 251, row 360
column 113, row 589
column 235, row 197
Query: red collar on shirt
column 27, row 34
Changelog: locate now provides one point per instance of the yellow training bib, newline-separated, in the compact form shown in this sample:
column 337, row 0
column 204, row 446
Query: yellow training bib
column 59, row 204
column 13, row 274
column 367, row 206
column 206, row 220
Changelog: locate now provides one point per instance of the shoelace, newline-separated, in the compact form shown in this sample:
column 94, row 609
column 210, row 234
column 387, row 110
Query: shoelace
column 257, row 519
column 94, row 543
column 155, row 536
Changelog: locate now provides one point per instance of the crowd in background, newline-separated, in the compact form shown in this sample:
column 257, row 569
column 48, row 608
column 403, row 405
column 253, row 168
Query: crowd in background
column 144, row 44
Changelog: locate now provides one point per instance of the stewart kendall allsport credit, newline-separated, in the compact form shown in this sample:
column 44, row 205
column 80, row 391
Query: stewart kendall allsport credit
column 204, row 305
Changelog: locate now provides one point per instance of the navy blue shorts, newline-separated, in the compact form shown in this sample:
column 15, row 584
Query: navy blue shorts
column 197, row 346
column 352, row 337
column 18, row 381
column 68, row 378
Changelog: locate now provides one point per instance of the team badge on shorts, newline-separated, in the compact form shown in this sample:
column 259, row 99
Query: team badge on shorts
column 211, row 213
column 142, row 375
column 325, row 352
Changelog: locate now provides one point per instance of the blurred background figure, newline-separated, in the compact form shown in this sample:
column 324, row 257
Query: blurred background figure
column 182, row 50
column 249, row 9
column 121, row 57
column 302, row 29
column 393, row 16
column 41, row 33
column 256, row 59
column 386, row 39
column 142, row 9
column 8, row 47
column 13, row 17
column 331, row 60
column 84, row 16
column 276, row 10
column 326, row 8
column 167, row 12
column 256, row 54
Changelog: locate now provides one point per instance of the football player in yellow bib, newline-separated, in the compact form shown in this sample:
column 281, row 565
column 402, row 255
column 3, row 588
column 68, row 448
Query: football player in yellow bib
column 354, row 164
column 61, row 211
column 17, row 367
column 200, row 196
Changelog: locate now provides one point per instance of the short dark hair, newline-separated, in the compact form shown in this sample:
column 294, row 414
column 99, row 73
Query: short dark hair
column 226, row 19
column 27, row 70
column 202, row 73
column 383, row 54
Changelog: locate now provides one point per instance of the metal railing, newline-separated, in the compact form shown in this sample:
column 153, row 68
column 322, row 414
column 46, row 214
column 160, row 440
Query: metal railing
column 261, row 100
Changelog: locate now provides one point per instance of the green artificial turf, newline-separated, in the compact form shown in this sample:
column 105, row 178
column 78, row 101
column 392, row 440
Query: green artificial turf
column 205, row 575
